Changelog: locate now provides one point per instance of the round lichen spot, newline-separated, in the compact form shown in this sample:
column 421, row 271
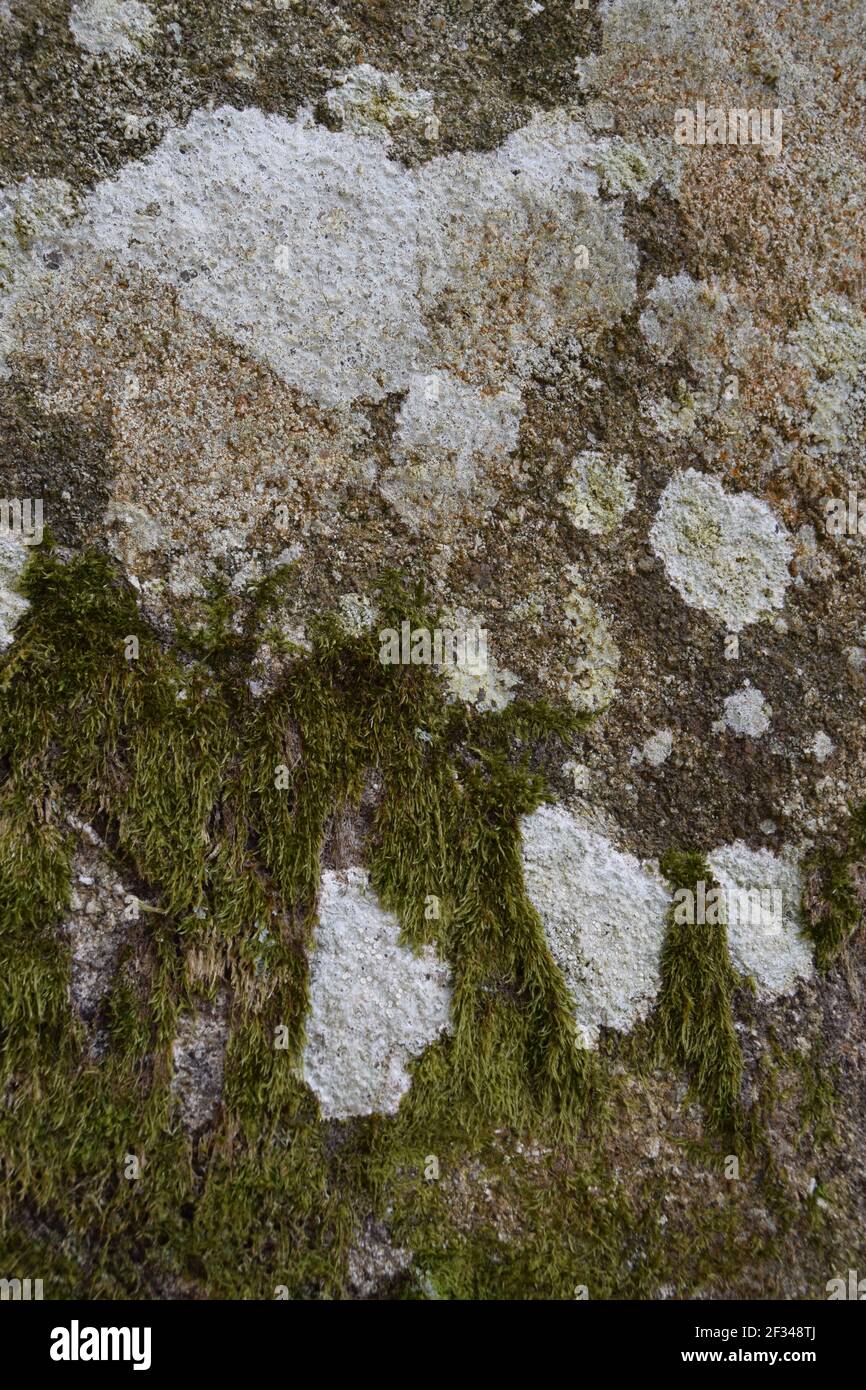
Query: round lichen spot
column 724, row 553
column 598, row 492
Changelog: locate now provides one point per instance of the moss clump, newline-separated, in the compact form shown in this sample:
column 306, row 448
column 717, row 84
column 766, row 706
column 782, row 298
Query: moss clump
column 173, row 760
column 819, row 1099
column 835, row 893
column 170, row 756
column 694, row 1011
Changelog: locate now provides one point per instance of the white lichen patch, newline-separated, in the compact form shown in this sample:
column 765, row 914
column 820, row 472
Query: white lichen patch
column 604, row 918
column 14, row 554
column 375, row 1004
column 357, row 614
column 830, row 343
column 296, row 241
column 684, row 318
column 822, row 746
column 198, row 1063
column 747, row 713
column 475, row 678
column 119, row 28
column 724, row 553
column 589, row 682
column 655, row 750
column 349, row 273
column 371, row 102
column 764, row 934
column 446, row 433
column 598, row 492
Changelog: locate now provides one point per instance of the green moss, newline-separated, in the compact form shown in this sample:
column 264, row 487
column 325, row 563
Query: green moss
column 834, row 905
column 176, row 764
column 694, row 1011
column 819, row 1100
column 170, row 756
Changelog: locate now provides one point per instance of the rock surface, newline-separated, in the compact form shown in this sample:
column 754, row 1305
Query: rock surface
column 308, row 295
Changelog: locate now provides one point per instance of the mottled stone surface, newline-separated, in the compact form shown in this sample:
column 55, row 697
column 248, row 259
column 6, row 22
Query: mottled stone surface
column 352, row 288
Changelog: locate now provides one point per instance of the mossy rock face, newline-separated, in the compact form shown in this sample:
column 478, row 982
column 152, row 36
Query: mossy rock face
column 336, row 960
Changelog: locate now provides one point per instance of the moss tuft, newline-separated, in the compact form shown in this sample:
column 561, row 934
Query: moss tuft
column 835, row 895
column 169, row 755
column 694, row 1012
column 173, row 760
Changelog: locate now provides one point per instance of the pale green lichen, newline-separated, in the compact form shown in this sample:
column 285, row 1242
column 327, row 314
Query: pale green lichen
column 598, row 492
column 590, row 683
column 831, row 343
column 373, row 103
column 724, row 552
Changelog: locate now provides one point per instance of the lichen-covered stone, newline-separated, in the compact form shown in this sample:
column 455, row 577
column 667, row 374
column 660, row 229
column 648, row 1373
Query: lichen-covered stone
column 598, row 492
column 375, row 1004
column 297, row 296
column 120, row 28
column 747, row 713
column 725, row 553
column 14, row 552
column 604, row 919
column 767, row 945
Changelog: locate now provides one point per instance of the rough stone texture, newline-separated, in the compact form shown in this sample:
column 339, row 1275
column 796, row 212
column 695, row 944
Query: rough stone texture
column 341, row 286
column 13, row 558
column 375, row 1263
column 98, row 923
column 198, row 1063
